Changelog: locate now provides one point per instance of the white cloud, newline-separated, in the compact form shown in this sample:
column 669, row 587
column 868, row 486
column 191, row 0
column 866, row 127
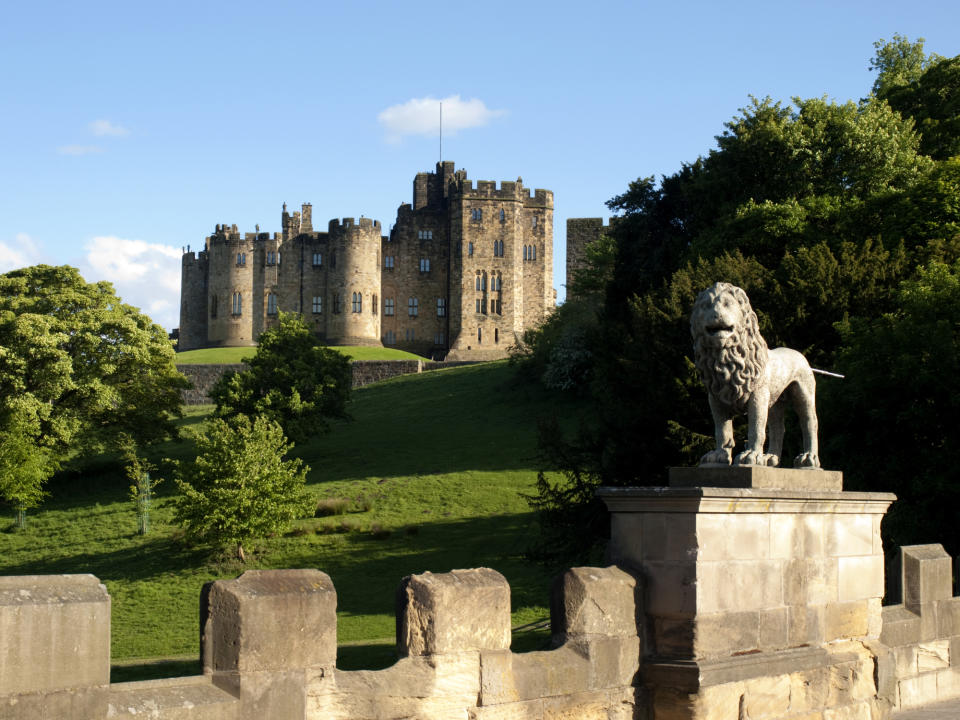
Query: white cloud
column 101, row 128
column 146, row 275
column 79, row 149
column 421, row 116
column 21, row 253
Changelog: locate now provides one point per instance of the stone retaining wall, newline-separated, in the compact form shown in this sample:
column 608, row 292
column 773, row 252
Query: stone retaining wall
column 365, row 372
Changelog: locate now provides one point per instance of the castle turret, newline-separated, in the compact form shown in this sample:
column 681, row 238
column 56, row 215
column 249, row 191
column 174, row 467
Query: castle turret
column 353, row 282
column 193, row 301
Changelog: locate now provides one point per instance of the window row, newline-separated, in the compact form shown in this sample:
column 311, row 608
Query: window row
column 413, row 307
column 496, row 281
column 495, row 306
column 529, row 252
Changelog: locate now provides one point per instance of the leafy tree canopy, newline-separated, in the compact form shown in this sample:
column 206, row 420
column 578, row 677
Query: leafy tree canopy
column 291, row 379
column 819, row 209
column 240, row 486
column 899, row 62
column 80, row 364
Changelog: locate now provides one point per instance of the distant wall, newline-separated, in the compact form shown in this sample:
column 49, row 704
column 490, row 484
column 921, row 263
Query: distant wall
column 365, row 372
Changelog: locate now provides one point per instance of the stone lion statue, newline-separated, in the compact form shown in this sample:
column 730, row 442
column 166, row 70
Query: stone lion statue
column 742, row 375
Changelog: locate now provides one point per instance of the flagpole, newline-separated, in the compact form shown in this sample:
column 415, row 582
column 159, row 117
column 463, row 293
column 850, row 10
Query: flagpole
column 441, row 131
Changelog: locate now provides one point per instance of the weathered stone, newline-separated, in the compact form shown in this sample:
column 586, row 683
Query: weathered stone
column 860, row 578
column 900, row 626
column 927, row 575
column 594, row 601
column 767, row 697
column 757, row 476
column 177, row 699
column 269, row 620
column 75, row 704
column 846, row 620
column 933, row 655
column 453, row 612
column 54, row 633
column 509, row 677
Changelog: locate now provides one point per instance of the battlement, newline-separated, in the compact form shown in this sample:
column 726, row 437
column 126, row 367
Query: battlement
column 349, row 222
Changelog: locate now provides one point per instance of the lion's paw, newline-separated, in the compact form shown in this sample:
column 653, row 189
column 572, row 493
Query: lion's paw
column 806, row 460
column 751, row 457
column 773, row 460
column 716, row 457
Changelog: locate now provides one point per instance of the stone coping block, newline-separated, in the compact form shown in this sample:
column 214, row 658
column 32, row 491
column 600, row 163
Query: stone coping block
column 186, row 698
column 458, row 611
column 594, row 601
column 54, row 633
column 269, row 620
column 927, row 575
column 756, row 476
column 741, row 500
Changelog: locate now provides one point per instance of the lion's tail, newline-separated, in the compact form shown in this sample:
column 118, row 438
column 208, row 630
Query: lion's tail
column 818, row 371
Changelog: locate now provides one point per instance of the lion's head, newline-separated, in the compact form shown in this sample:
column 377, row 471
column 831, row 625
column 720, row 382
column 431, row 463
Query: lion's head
column 729, row 351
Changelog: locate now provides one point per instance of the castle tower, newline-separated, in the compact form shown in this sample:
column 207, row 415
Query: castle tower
column 231, row 300
column 193, row 300
column 353, row 282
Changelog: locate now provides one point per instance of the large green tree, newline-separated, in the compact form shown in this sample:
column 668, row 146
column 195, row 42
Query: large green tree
column 291, row 379
column 818, row 209
column 82, row 366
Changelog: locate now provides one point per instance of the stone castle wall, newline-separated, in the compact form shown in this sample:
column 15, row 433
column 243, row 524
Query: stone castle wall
column 418, row 285
column 580, row 233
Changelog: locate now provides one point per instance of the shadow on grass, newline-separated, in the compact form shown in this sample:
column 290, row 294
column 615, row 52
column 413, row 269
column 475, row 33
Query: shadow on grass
column 154, row 670
column 142, row 561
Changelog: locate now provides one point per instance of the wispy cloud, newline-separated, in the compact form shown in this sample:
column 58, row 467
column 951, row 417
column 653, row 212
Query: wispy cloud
column 102, row 128
column 21, row 253
column 421, row 116
column 79, row 149
column 146, row 275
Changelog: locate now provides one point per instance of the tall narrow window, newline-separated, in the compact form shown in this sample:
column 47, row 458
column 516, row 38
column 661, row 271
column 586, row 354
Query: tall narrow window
column 533, row 249
column 388, row 262
column 237, row 304
column 271, row 304
column 441, row 307
column 502, row 215
column 213, row 306
column 424, row 265
column 317, row 259
column 333, row 259
column 496, row 335
column 357, row 302
column 534, row 221
column 374, row 305
column 388, row 306
column 476, row 215
column 413, row 307
column 470, row 249
column 336, row 302
column 524, row 252
column 241, row 258
column 479, row 335
column 317, row 304
column 478, row 281
column 478, row 305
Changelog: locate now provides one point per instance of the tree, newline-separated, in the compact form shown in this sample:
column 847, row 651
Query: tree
column 291, row 379
column 24, row 465
column 81, row 363
column 902, row 391
column 240, row 486
column 899, row 62
column 818, row 209
column 142, row 484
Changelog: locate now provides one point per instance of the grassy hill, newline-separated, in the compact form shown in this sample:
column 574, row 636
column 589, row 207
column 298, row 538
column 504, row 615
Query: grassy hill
column 430, row 473
column 230, row 355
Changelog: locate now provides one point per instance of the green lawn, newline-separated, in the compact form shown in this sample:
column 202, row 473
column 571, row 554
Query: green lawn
column 230, row 355
column 432, row 467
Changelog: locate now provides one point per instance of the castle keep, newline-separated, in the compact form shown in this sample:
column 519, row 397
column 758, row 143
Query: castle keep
column 463, row 272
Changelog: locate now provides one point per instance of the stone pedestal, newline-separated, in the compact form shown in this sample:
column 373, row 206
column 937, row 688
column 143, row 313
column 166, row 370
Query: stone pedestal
column 759, row 601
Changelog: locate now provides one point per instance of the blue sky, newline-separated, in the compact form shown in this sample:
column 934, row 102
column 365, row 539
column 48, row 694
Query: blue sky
column 129, row 130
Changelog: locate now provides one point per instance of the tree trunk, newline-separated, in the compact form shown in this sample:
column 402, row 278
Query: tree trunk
column 21, row 518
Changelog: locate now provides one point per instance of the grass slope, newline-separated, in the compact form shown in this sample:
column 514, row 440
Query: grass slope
column 432, row 468
column 231, row 355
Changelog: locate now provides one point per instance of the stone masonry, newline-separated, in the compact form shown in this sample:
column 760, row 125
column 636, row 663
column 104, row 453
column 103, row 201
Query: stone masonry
column 462, row 274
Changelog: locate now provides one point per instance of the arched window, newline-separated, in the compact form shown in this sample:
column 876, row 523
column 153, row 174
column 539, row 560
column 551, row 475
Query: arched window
column 524, row 252
column 503, row 215
column 501, row 248
column 478, row 280
column 483, row 281
column 533, row 251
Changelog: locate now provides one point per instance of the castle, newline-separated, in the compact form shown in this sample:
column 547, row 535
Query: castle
column 462, row 274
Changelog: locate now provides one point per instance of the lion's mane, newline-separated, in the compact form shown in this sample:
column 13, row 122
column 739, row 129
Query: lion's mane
column 730, row 370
